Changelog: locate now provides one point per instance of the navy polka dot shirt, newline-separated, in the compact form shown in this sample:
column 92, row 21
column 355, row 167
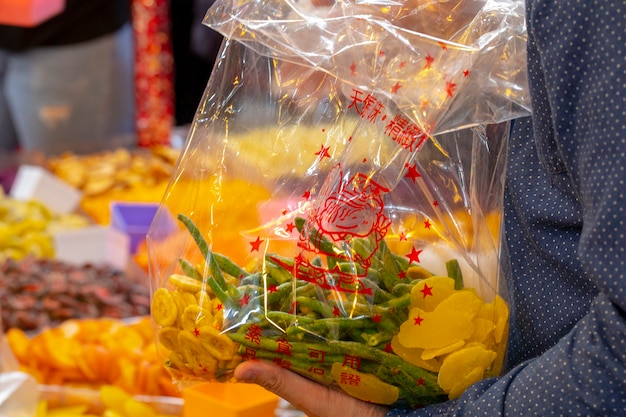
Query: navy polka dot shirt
column 565, row 222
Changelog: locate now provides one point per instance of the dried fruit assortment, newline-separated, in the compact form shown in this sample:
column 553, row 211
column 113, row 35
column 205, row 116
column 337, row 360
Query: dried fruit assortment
column 140, row 175
column 92, row 353
column 37, row 293
column 402, row 335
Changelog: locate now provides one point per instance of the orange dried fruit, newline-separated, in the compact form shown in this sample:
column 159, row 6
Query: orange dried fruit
column 18, row 341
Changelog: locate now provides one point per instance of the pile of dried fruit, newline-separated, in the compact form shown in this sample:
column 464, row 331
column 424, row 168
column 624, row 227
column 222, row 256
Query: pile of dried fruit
column 37, row 293
column 119, row 175
column 94, row 352
column 26, row 228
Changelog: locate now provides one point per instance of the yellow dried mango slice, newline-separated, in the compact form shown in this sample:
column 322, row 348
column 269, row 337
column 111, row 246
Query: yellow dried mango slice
column 498, row 313
column 436, row 329
column 429, row 292
column 466, row 381
column 113, row 398
column 414, row 356
column 366, row 387
column 458, row 364
column 465, row 301
column 428, row 354
column 483, row 332
column 164, row 309
column 185, row 283
column 502, row 318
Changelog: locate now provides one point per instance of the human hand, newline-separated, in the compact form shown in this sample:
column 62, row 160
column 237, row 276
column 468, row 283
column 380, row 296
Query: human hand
column 312, row 398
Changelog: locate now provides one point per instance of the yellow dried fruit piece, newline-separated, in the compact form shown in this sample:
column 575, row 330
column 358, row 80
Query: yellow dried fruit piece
column 136, row 408
column 168, row 337
column 418, row 272
column 468, row 379
column 459, row 364
column 195, row 355
column 483, row 332
column 164, row 310
column 437, row 329
column 113, row 398
column 465, row 301
column 183, row 299
column 428, row 354
column 194, row 317
column 414, row 356
column 176, row 361
column 366, row 387
column 218, row 345
column 204, row 300
column 429, row 292
column 185, row 283
column 502, row 318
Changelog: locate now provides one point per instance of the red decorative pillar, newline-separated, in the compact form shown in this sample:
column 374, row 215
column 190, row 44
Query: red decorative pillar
column 153, row 72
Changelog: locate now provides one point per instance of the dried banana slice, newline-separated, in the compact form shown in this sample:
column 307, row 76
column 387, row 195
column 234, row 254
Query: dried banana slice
column 164, row 309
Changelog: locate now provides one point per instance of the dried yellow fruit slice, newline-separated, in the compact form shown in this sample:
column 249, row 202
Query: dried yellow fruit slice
column 195, row 316
column 113, row 398
column 459, row 364
column 196, row 357
column 185, row 283
column 483, row 332
column 466, row 301
column 429, row 292
column 168, row 337
column 218, row 345
column 468, row 379
column 436, row 329
column 176, row 361
column 428, row 354
column 136, row 408
column 366, row 387
column 414, row 356
column 502, row 318
column 164, row 310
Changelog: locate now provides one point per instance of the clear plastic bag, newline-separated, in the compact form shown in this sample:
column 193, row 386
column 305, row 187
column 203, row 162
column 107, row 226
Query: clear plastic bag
column 339, row 218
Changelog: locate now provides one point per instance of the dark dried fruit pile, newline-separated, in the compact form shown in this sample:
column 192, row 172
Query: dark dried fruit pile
column 37, row 293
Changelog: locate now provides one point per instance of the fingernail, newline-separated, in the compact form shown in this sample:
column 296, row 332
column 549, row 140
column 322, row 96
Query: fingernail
column 244, row 374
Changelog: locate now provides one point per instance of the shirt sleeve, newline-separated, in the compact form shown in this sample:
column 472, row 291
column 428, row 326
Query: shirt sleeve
column 569, row 331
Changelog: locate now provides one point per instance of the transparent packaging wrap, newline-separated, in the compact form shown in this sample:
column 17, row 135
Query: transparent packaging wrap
column 339, row 198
